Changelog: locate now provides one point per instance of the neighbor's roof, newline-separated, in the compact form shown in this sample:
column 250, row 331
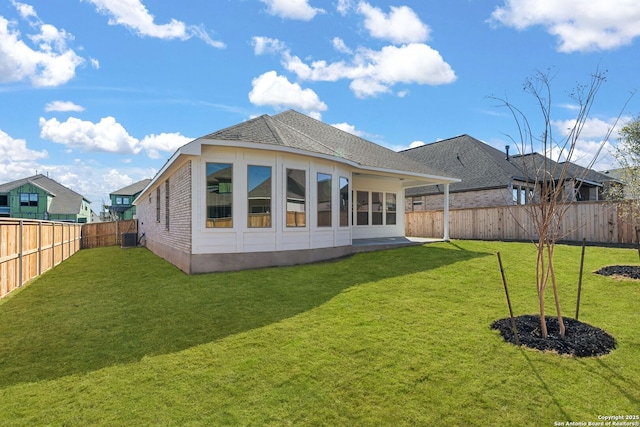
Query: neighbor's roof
column 479, row 165
column 614, row 174
column 295, row 130
column 132, row 189
column 65, row 201
column 534, row 163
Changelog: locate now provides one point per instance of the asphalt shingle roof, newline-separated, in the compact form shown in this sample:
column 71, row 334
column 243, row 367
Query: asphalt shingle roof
column 479, row 165
column 132, row 189
column 296, row 130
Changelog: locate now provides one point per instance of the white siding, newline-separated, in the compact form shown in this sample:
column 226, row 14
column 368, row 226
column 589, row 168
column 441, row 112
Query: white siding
column 241, row 238
column 386, row 185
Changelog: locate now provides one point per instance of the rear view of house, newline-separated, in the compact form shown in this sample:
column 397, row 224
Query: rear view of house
column 275, row 190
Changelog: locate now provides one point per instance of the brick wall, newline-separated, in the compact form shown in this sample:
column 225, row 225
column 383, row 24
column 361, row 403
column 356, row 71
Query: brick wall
column 470, row 199
column 178, row 233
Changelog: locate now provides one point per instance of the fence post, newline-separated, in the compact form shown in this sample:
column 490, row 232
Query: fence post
column 53, row 244
column 20, row 254
column 39, row 248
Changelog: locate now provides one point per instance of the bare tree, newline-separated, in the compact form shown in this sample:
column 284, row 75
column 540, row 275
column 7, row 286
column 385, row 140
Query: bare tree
column 555, row 179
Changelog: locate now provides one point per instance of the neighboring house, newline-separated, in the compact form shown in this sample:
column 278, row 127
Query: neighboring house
column 616, row 187
column 275, row 190
column 122, row 200
column 490, row 177
column 40, row 197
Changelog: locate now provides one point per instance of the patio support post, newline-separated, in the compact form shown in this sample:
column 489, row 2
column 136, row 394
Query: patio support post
column 446, row 213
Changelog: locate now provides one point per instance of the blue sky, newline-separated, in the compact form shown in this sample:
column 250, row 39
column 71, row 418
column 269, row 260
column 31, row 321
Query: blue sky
column 99, row 93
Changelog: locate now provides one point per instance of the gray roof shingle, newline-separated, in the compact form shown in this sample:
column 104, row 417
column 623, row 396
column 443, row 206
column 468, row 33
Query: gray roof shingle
column 295, row 130
column 132, row 189
column 479, row 165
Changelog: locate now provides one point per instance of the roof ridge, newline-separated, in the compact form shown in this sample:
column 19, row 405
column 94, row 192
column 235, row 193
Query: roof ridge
column 268, row 120
column 436, row 142
column 306, row 134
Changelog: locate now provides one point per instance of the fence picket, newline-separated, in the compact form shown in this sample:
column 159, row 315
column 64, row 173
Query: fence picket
column 598, row 222
column 25, row 246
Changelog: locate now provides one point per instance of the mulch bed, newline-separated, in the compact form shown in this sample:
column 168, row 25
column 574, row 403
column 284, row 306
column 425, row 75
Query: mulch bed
column 628, row 271
column 581, row 339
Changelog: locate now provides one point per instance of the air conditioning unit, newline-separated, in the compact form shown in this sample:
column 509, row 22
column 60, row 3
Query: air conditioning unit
column 129, row 240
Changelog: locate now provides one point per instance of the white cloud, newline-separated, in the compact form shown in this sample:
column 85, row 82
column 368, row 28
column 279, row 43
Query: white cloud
column 107, row 135
column 592, row 143
column 134, row 15
column 95, row 63
column 373, row 72
column 63, row 106
column 167, row 142
column 349, row 128
column 15, row 150
column 340, row 45
column 16, row 159
column 264, row 45
column 26, row 11
column 593, row 128
column 278, row 92
column 579, row 25
column 48, row 63
column 292, row 9
column 401, row 25
column 344, row 6
column 416, row 144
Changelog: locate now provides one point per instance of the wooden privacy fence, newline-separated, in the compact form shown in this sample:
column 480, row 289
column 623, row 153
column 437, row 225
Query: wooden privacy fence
column 99, row 234
column 28, row 248
column 598, row 222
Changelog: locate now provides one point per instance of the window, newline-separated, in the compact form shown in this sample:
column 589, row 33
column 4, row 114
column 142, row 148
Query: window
column 390, row 206
column 520, row 195
column 4, row 200
column 376, row 208
column 296, row 198
column 362, row 217
column 158, row 204
column 28, row 199
column 324, row 200
column 259, row 196
column 219, row 195
column 344, row 202
column 126, row 201
column 166, row 204
column 118, row 200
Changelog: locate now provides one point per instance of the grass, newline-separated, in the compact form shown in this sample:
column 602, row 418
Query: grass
column 401, row 337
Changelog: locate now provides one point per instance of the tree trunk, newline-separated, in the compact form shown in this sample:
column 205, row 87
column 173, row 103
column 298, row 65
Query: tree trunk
column 555, row 292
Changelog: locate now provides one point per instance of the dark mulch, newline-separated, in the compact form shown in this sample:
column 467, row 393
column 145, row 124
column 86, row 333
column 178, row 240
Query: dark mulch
column 630, row 271
column 581, row 339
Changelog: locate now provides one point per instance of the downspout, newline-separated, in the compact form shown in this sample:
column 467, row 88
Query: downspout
column 446, row 213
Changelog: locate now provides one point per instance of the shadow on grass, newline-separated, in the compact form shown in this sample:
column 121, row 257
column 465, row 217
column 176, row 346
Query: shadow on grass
column 626, row 386
column 111, row 306
column 544, row 384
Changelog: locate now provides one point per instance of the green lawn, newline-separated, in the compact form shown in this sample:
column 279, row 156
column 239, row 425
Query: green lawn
column 119, row 337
